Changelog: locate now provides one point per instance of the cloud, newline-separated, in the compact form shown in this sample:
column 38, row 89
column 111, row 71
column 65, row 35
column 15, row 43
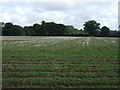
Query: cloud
column 68, row 13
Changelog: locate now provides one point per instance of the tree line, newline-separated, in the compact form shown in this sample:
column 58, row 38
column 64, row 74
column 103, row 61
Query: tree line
column 91, row 28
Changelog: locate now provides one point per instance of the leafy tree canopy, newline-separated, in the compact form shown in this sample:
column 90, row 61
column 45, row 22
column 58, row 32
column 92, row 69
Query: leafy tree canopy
column 91, row 27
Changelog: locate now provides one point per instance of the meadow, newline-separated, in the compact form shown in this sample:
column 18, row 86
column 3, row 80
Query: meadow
column 59, row 62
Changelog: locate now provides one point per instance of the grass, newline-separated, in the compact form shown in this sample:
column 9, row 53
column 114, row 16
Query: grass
column 60, row 62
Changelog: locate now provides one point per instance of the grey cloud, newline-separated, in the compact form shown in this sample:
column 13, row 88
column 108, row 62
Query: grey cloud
column 69, row 13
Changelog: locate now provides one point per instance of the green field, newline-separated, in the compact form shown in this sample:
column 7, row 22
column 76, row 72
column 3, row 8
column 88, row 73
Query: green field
column 59, row 62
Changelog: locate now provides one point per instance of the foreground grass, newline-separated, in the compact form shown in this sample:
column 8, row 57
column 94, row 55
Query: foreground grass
column 57, row 62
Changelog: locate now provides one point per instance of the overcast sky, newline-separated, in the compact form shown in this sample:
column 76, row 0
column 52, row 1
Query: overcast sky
column 69, row 13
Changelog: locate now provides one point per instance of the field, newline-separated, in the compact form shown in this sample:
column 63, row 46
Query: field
column 59, row 62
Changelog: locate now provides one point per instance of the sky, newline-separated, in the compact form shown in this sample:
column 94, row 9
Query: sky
column 68, row 12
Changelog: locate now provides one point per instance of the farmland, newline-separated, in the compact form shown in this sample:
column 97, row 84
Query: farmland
column 59, row 62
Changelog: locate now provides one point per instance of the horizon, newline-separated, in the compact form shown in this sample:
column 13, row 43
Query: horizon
column 56, row 23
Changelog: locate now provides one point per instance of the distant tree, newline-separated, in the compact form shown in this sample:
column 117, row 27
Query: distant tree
column 29, row 31
column 82, row 31
column 91, row 27
column 60, row 29
column 38, row 29
column 55, row 29
column 105, row 31
column 51, row 28
column 44, row 29
column 114, row 33
column 18, row 30
column 69, row 30
column 43, row 22
column 12, row 30
column 8, row 29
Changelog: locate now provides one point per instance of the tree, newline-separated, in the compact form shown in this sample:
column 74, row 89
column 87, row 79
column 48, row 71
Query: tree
column 12, row 30
column 29, row 31
column 8, row 29
column 60, row 29
column 44, row 28
column 105, row 31
column 55, row 29
column 69, row 30
column 114, row 33
column 91, row 27
column 37, row 29
column 18, row 30
column 43, row 22
column 51, row 28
